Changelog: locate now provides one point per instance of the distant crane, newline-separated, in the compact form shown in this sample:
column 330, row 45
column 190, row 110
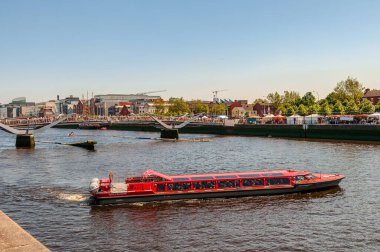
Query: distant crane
column 215, row 95
column 151, row 92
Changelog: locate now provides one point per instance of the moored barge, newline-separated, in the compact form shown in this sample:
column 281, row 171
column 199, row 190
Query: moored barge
column 155, row 186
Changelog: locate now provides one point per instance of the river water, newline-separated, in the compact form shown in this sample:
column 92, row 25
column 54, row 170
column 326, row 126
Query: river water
column 45, row 191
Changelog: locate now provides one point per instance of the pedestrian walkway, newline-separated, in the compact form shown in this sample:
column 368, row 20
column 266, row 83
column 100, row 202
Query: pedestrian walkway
column 14, row 238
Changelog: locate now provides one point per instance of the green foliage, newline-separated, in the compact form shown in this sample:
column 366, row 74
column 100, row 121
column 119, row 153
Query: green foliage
column 313, row 109
column 160, row 106
column 308, row 99
column 291, row 97
column 349, row 89
column 276, row 99
column 351, row 108
column 331, row 98
column 200, row 107
column 338, row 108
column 218, row 109
column 325, row 109
column 260, row 100
column 377, row 107
column 290, row 110
column 178, row 106
column 302, row 110
column 366, row 107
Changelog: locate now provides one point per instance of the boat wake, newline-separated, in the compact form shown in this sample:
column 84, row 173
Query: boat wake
column 73, row 197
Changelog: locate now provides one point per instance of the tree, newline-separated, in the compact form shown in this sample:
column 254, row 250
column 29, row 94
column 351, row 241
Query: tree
column 313, row 109
column 331, row 98
column 160, row 106
column 260, row 100
column 178, row 106
column 325, row 109
column 351, row 108
column 338, row 108
column 302, row 109
column 218, row 109
column 290, row 110
column 366, row 107
column 377, row 107
column 291, row 97
column 308, row 99
column 275, row 99
column 200, row 107
column 349, row 89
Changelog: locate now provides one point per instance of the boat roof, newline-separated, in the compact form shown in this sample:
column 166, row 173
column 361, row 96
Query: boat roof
column 226, row 175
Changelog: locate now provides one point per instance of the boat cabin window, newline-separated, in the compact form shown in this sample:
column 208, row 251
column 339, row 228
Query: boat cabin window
column 228, row 183
column 180, row 179
column 225, row 176
column 249, row 175
column 310, row 176
column 202, row 178
column 178, row 186
column 252, row 182
column 204, row 185
column 273, row 174
column 160, row 187
column 277, row 181
column 300, row 178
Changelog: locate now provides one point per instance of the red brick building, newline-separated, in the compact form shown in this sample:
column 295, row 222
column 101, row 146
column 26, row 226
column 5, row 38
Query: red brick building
column 263, row 108
column 373, row 96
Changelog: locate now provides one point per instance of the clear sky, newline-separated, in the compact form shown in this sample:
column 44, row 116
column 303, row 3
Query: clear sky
column 187, row 47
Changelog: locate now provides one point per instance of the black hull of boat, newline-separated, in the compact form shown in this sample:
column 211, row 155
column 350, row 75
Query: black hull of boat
column 214, row 194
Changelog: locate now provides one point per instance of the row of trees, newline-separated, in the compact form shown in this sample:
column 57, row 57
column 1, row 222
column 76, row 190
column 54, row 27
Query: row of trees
column 345, row 99
column 178, row 106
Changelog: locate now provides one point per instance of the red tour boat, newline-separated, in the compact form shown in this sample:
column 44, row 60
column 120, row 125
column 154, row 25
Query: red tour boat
column 155, row 186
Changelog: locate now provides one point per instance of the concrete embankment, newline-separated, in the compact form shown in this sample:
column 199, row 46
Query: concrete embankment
column 327, row 132
column 15, row 238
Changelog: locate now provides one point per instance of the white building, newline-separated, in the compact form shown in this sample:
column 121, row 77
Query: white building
column 28, row 111
column 3, row 112
column 104, row 102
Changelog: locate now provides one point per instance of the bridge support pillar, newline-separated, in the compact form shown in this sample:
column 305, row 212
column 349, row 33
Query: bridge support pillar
column 169, row 133
column 25, row 141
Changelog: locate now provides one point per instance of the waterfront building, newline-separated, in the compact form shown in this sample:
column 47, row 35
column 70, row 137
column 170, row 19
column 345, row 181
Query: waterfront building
column 104, row 102
column 30, row 111
column 237, row 112
column 13, row 111
column 3, row 112
column 192, row 105
column 249, row 110
column 18, row 101
column 245, row 110
column 373, row 96
column 263, row 108
column 67, row 105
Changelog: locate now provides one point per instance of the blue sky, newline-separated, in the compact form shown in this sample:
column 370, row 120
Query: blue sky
column 187, row 47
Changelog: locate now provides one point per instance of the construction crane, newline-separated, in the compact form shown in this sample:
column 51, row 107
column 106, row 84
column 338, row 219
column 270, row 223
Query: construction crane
column 151, row 92
column 215, row 94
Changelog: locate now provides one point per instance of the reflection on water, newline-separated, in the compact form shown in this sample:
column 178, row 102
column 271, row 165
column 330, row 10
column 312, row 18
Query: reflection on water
column 45, row 191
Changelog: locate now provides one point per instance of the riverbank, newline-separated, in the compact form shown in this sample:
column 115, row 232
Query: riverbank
column 369, row 133
column 15, row 238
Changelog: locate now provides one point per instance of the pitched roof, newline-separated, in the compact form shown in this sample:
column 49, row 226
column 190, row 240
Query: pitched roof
column 372, row 93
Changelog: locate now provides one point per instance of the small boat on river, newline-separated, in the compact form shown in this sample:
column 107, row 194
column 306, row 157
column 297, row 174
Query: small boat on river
column 156, row 186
